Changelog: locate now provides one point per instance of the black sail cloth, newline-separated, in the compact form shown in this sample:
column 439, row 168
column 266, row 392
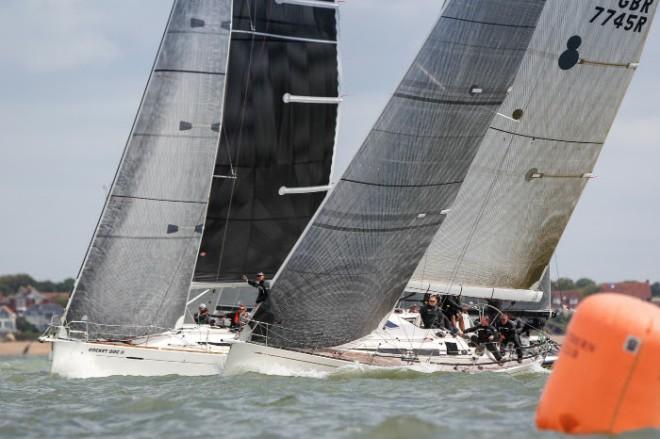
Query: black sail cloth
column 353, row 262
column 266, row 143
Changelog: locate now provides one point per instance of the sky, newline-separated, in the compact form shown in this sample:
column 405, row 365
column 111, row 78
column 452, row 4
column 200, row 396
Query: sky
column 73, row 73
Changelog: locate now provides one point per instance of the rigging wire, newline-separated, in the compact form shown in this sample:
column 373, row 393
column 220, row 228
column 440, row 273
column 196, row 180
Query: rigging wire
column 238, row 151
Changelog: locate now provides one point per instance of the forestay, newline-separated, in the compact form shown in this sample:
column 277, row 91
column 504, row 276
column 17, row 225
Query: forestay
column 353, row 262
column 541, row 149
column 278, row 131
column 139, row 265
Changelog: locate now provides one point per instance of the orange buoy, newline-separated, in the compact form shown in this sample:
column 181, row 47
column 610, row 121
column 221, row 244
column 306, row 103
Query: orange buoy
column 607, row 376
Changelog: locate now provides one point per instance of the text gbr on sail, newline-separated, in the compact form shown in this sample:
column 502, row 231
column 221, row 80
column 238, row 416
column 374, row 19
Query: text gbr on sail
column 621, row 18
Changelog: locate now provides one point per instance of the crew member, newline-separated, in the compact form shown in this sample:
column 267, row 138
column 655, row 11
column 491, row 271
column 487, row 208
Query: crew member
column 451, row 308
column 202, row 315
column 433, row 317
column 485, row 336
column 239, row 317
column 259, row 284
column 430, row 313
column 509, row 333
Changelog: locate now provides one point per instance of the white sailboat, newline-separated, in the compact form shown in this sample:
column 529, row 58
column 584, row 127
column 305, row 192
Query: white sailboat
column 225, row 165
column 349, row 269
column 532, row 162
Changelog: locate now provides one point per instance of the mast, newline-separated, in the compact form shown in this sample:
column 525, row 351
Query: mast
column 139, row 265
column 353, row 262
column 539, row 152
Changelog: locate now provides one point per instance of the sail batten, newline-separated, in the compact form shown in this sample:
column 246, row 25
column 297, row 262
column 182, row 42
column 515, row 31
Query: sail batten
column 354, row 260
column 536, row 160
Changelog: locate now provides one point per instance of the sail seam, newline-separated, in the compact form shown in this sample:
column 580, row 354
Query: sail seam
column 270, row 165
column 284, row 37
column 165, row 200
column 424, row 136
column 196, row 32
column 362, row 230
column 144, row 237
column 446, row 101
column 489, row 23
column 284, row 218
column 448, row 183
column 199, row 72
column 177, row 136
column 546, row 138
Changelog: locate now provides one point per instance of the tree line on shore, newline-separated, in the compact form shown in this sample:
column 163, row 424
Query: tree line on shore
column 11, row 283
column 587, row 286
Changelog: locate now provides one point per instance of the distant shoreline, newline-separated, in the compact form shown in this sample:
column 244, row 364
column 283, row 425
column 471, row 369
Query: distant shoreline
column 17, row 349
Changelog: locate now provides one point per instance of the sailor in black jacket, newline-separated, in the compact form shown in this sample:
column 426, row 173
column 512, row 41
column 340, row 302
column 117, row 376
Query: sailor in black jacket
column 259, row 284
column 508, row 330
column 431, row 313
column 485, row 336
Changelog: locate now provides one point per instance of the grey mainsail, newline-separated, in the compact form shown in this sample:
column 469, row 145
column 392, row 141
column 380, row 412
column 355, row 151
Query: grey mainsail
column 540, row 151
column 278, row 131
column 139, row 265
column 352, row 263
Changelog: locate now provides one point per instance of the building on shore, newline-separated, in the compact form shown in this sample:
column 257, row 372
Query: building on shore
column 7, row 322
column 571, row 298
column 43, row 314
column 641, row 290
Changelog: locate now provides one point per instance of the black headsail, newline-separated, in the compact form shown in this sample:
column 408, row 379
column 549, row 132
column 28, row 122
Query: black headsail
column 354, row 261
column 278, row 131
column 138, row 268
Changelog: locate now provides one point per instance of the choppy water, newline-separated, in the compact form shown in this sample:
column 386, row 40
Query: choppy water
column 397, row 404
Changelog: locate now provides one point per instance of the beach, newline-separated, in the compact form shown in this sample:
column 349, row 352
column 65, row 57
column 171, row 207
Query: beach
column 18, row 348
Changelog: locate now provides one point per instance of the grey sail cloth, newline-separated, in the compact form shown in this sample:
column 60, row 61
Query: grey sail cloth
column 266, row 143
column 139, row 265
column 529, row 173
column 352, row 263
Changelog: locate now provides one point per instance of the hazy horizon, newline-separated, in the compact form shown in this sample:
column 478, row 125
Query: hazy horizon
column 75, row 71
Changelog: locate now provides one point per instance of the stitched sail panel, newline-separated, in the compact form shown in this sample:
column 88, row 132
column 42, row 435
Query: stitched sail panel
column 140, row 262
column 535, row 160
column 353, row 262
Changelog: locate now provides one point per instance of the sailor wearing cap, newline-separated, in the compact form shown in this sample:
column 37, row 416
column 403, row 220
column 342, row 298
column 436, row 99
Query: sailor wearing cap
column 259, row 284
column 202, row 316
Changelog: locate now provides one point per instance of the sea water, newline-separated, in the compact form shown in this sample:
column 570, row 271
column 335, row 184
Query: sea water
column 350, row 404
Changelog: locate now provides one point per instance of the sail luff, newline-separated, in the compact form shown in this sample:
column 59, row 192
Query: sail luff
column 354, row 260
column 539, row 154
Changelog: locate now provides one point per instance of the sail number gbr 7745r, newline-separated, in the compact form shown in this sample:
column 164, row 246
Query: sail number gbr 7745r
column 630, row 16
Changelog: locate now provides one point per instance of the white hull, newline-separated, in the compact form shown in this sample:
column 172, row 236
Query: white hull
column 79, row 359
column 251, row 357
column 401, row 346
column 199, row 351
